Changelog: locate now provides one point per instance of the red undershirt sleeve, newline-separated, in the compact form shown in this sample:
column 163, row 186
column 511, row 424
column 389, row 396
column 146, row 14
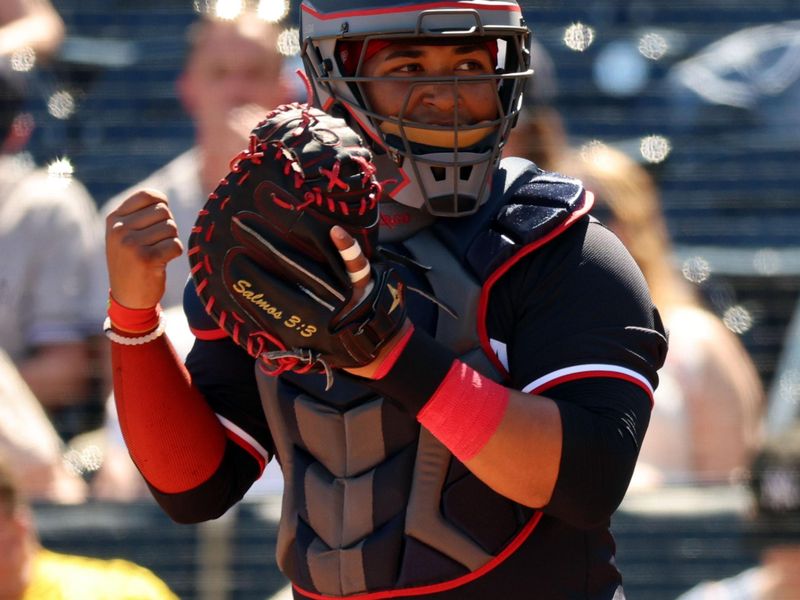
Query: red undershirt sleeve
column 173, row 436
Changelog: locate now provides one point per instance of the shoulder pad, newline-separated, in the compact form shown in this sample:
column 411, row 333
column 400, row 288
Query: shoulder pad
column 534, row 209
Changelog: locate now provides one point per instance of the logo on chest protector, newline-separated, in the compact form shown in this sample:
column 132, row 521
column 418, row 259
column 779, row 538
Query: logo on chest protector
column 392, row 221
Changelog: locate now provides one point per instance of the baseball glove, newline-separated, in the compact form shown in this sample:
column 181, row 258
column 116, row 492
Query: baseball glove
column 262, row 259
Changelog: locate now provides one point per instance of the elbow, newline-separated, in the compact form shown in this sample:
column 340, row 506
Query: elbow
column 594, row 517
column 584, row 516
column 190, row 508
column 589, row 502
column 187, row 514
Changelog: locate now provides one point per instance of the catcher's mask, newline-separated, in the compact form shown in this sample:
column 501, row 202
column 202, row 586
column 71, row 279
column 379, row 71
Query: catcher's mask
column 443, row 168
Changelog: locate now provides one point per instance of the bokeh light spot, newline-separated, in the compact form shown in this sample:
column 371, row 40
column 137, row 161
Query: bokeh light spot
column 289, row 42
column 60, row 172
column 273, row 10
column 696, row 269
column 655, row 148
column 61, row 105
column 23, row 125
column 593, row 152
column 653, row 46
column 228, row 10
column 84, row 461
column 579, row 37
column 738, row 319
column 23, row 59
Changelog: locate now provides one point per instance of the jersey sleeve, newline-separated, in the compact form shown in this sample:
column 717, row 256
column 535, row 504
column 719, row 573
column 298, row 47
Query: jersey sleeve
column 577, row 308
column 225, row 374
column 574, row 322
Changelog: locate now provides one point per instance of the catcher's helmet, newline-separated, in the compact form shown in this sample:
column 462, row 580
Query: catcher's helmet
column 446, row 169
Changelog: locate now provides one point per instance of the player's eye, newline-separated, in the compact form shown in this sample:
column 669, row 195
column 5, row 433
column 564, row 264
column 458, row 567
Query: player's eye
column 472, row 66
column 408, row 68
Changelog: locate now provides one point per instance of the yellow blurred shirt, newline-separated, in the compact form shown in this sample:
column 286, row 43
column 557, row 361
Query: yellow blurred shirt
column 66, row 577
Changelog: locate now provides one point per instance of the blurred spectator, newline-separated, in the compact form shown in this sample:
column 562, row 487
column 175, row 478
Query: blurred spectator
column 30, row 446
column 30, row 572
column 232, row 76
column 707, row 417
column 784, row 394
column 30, row 25
column 48, row 236
column 774, row 528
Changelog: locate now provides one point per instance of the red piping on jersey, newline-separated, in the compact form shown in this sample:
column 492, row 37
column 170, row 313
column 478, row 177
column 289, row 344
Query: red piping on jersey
column 209, row 335
column 244, row 445
column 588, row 374
column 430, row 6
column 483, row 301
column 445, row 585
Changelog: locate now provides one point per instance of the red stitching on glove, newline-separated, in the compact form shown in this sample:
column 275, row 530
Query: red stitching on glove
column 333, row 177
column 285, row 205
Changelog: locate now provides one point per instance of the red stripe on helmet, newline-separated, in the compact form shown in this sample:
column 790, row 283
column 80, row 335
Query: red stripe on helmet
column 510, row 7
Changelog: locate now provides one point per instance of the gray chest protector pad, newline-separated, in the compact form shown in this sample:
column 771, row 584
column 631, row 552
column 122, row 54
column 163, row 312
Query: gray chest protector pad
column 372, row 501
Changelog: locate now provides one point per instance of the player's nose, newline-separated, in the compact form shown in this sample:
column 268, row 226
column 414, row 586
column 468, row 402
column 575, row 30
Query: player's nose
column 441, row 97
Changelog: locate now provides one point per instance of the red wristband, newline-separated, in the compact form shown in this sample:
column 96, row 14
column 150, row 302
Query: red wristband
column 465, row 410
column 132, row 320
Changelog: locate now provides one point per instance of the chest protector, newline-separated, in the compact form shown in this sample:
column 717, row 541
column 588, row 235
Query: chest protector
column 371, row 501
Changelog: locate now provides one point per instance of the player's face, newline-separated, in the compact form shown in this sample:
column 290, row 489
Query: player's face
column 433, row 104
column 231, row 67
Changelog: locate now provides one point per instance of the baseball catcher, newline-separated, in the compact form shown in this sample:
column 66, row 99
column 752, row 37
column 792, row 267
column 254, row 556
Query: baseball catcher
column 451, row 459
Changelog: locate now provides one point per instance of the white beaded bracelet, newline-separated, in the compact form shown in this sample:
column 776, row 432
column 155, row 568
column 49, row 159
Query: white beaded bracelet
column 133, row 341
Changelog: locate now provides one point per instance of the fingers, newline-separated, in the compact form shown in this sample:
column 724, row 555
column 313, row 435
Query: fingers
column 356, row 263
column 143, row 219
column 141, row 238
column 139, row 200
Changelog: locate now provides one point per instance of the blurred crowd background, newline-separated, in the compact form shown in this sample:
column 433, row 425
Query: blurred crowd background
column 683, row 116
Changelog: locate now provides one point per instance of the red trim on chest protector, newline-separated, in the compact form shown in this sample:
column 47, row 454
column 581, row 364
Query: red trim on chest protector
column 483, row 301
column 445, row 586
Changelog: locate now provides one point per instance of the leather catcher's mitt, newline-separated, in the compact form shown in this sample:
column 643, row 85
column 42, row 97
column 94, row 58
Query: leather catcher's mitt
column 262, row 259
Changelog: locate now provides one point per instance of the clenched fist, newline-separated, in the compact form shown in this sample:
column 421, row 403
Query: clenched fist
column 141, row 238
